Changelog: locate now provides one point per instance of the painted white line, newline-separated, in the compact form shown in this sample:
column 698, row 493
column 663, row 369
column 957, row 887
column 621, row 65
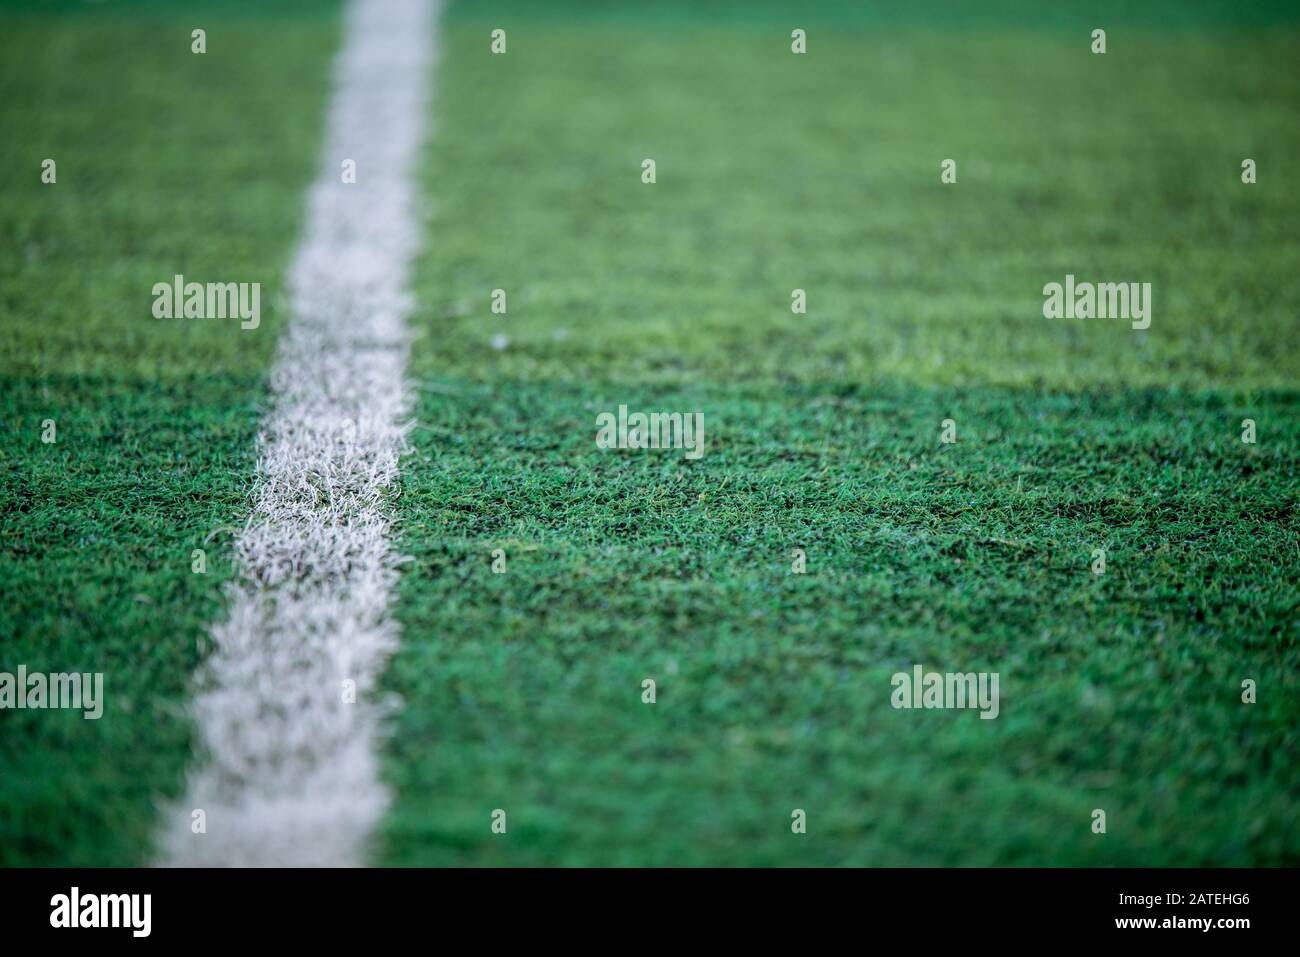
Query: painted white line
column 286, row 772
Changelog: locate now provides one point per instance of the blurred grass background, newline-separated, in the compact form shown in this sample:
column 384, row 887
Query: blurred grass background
column 821, row 172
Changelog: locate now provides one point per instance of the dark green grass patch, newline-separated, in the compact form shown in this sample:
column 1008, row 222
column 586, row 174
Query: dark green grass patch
column 1120, row 691
column 99, row 534
column 167, row 162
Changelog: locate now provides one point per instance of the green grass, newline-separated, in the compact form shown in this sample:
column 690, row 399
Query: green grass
column 168, row 162
column 821, row 172
column 522, row 690
column 1119, row 691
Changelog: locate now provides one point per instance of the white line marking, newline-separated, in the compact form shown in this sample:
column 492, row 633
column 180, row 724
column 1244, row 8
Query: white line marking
column 289, row 771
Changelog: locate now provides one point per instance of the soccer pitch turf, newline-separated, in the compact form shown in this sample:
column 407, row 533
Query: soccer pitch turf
column 774, row 172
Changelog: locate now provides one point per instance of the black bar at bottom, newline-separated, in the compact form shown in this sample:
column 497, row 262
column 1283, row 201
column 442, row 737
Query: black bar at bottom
column 337, row 907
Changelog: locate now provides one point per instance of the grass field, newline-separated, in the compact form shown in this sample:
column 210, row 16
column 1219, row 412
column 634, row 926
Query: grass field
column 522, row 691
column 166, row 162
column 821, row 172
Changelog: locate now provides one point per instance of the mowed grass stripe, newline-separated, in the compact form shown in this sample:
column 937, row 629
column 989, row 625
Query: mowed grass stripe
column 168, row 162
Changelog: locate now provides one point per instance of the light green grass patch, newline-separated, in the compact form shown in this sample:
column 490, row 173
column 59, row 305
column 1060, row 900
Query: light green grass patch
column 822, row 172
